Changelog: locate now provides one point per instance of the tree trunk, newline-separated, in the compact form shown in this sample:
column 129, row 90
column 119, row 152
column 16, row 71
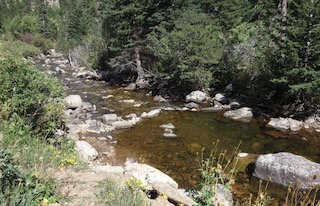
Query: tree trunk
column 284, row 6
column 141, row 79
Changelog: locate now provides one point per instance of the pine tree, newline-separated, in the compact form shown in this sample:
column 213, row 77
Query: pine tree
column 126, row 24
column 296, row 58
column 189, row 54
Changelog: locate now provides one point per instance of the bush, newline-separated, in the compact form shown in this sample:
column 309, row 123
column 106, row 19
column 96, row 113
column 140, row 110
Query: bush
column 29, row 94
column 27, row 23
column 19, row 48
column 42, row 43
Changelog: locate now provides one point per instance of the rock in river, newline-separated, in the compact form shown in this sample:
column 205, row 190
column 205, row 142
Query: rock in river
column 243, row 114
column 285, row 169
column 73, row 101
column 196, row 96
column 86, row 151
column 108, row 118
column 122, row 124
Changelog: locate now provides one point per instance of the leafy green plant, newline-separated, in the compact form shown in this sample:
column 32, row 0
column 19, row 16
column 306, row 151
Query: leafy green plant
column 19, row 48
column 42, row 43
column 30, row 94
column 217, row 169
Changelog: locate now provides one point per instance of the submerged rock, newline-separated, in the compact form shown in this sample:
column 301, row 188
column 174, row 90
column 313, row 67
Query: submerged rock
column 168, row 126
column 287, row 169
column 169, row 135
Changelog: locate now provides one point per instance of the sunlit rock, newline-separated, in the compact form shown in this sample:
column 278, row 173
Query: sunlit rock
column 73, row 101
column 220, row 98
column 196, row 96
column 242, row 114
column 86, row 151
column 287, row 169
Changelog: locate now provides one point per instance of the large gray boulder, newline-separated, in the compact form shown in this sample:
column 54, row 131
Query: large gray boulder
column 73, row 101
column 86, row 151
column 196, row 96
column 286, row 169
column 242, row 114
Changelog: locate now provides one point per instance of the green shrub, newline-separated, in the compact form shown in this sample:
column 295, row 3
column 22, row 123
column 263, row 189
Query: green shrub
column 27, row 23
column 19, row 48
column 30, row 94
column 42, row 43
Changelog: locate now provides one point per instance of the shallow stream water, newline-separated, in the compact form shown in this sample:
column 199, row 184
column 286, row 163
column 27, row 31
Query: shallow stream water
column 178, row 157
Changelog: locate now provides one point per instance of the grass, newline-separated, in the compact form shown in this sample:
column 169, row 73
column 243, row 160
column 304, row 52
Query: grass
column 111, row 194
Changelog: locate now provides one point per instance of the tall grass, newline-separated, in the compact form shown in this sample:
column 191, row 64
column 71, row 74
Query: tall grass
column 111, row 194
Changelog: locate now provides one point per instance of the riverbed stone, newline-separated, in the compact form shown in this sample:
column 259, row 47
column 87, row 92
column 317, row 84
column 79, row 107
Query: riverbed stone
column 220, row 98
column 191, row 105
column 73, row 101
column 170, row 135
column 159, row 98
column 211, row 109
column 242, row 114
column 86, row 151
column 285, row 124
column 60, row 61
column 59, row 70
column 286, row 169
column 128, row 101
column 152, row 113
column 88, row 74
column 148, row 174
column 168, row 126
column 109, row 118
column 131, row 86
column 196, row 96
column 122, row 124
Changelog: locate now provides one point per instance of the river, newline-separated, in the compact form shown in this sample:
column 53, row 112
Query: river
column 178, row 157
